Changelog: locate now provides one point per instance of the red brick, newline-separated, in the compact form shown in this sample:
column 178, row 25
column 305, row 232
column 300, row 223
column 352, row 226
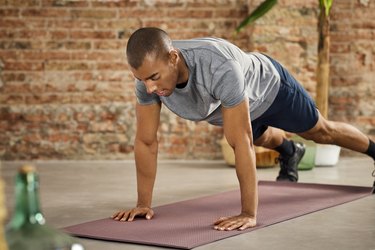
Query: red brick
column 32, row 138
column 34, row 55
column 9, row 12
column 23, row 66
column 11, row 45
column 60, row 137
column 77, row 45
column 23, row 3
column 45, row 12
column 111, row 66
column 37, row 117
column 13, row 77
column 60, row 66
column 108, row 45
column 119, row 24
column 227, row 13
column 126, row 149
column 102, row 56
column 92, row 35
column 9, row 55
column 24, row 34
column 58, row 35
column 94, row 13
column 366, row 120
column 63, row 3
column 11, row 23
column 137, row 13
column 70, row 24
column 192, row 13
column 16, row 88
column 115, row 4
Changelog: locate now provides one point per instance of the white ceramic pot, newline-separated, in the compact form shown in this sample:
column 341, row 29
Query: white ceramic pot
column 327, row 155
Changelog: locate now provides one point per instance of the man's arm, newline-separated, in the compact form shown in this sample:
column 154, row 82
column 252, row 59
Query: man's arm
column 145, row 151
column 237, row 130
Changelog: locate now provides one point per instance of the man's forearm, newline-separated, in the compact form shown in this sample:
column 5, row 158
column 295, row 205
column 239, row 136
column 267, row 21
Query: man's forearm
column 145, row 160
column 246, row 174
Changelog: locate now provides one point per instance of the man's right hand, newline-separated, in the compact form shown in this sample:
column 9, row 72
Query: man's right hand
column 129, row 215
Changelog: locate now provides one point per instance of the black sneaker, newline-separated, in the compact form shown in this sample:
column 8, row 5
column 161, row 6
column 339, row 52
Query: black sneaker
column 289, row 164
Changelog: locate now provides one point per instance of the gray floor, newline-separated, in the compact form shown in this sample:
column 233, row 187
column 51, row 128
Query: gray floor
column 78, row 191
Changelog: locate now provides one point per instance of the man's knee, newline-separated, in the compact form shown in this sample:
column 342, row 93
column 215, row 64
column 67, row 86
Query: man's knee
column 271, row 138
column 260, row 140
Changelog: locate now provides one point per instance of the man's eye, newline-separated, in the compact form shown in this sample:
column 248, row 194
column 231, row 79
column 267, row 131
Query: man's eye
column 155, row 78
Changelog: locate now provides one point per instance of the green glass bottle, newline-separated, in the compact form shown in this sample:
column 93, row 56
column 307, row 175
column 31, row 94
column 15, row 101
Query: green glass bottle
column 27, row 229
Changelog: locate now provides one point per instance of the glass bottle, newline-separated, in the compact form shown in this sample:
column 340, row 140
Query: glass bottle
column 27, row 229
column 3, row 245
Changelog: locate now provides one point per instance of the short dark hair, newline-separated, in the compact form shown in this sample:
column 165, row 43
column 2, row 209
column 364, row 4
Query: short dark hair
column 147, row 41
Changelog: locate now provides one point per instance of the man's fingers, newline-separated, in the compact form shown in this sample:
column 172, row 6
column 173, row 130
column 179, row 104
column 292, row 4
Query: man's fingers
column 118, row 215
column 129, row 215
column 248, row 225
column 235, row 222
column 121, row 216
column 135, row 212
column 221, row 219
column 150, row 214
column 132, row 215
column 228, row 225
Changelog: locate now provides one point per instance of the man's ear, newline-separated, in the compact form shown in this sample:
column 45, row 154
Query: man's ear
column 173, row 56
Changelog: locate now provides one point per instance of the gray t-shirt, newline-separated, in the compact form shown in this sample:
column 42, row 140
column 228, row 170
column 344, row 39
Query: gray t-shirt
column 219, row 74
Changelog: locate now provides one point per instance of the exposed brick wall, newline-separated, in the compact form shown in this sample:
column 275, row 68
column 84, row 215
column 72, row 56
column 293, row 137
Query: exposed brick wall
column 65, row 91
column 289, row 34
column 352, row 95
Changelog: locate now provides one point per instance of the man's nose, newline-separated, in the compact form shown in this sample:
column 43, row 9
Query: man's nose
column 151, row 87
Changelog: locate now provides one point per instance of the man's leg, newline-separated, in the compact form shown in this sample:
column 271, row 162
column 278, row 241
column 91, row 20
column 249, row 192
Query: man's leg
column 291, row 152
column 343, row 135
column 271, row 138
column 340, row 134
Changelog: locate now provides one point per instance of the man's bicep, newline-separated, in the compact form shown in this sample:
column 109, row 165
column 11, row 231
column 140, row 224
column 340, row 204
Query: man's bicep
column 148, row 117
column 236, row 122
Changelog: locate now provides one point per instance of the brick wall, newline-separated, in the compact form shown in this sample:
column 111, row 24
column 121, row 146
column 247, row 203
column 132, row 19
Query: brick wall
column 352, row 96
column 289, row 34
column 66, row 93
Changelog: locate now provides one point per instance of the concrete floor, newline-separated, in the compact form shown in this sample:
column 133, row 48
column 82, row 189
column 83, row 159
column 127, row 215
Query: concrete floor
column 78, row 191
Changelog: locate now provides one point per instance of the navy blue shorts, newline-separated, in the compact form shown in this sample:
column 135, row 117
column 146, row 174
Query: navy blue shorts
column 293, row 110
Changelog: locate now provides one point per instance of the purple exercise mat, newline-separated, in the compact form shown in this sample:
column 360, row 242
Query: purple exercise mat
column 189, row 224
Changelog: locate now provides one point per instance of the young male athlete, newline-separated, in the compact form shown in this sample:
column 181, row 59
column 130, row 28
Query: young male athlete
column 249, row 94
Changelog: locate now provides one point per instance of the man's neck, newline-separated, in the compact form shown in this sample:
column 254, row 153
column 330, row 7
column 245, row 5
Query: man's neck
column 183, row 71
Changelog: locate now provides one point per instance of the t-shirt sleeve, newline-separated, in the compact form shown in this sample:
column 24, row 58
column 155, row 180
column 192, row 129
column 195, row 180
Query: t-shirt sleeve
column 143, row 97
column 228, row 84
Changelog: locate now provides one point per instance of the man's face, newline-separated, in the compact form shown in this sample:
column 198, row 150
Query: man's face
column 158, row 75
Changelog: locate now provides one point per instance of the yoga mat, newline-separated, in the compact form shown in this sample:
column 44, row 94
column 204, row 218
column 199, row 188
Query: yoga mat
column 189, row 224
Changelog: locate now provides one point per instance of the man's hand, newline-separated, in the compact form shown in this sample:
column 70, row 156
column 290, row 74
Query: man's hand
column 129, row 215
column 240, row 222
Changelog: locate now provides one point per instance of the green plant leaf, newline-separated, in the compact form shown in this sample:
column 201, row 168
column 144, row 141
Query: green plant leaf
column 326, row 6
column 262, row 9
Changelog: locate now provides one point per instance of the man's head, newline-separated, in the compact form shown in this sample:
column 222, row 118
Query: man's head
column 154, row 61
column 145, row 42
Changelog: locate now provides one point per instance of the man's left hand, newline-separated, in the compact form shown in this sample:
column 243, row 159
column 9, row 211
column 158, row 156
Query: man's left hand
column 240, row 222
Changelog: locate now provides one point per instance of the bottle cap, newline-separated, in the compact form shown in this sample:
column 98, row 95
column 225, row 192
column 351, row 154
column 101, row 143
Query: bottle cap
column 26, row 169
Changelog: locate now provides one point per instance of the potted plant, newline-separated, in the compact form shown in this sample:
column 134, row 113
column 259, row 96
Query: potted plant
column 325, row 154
